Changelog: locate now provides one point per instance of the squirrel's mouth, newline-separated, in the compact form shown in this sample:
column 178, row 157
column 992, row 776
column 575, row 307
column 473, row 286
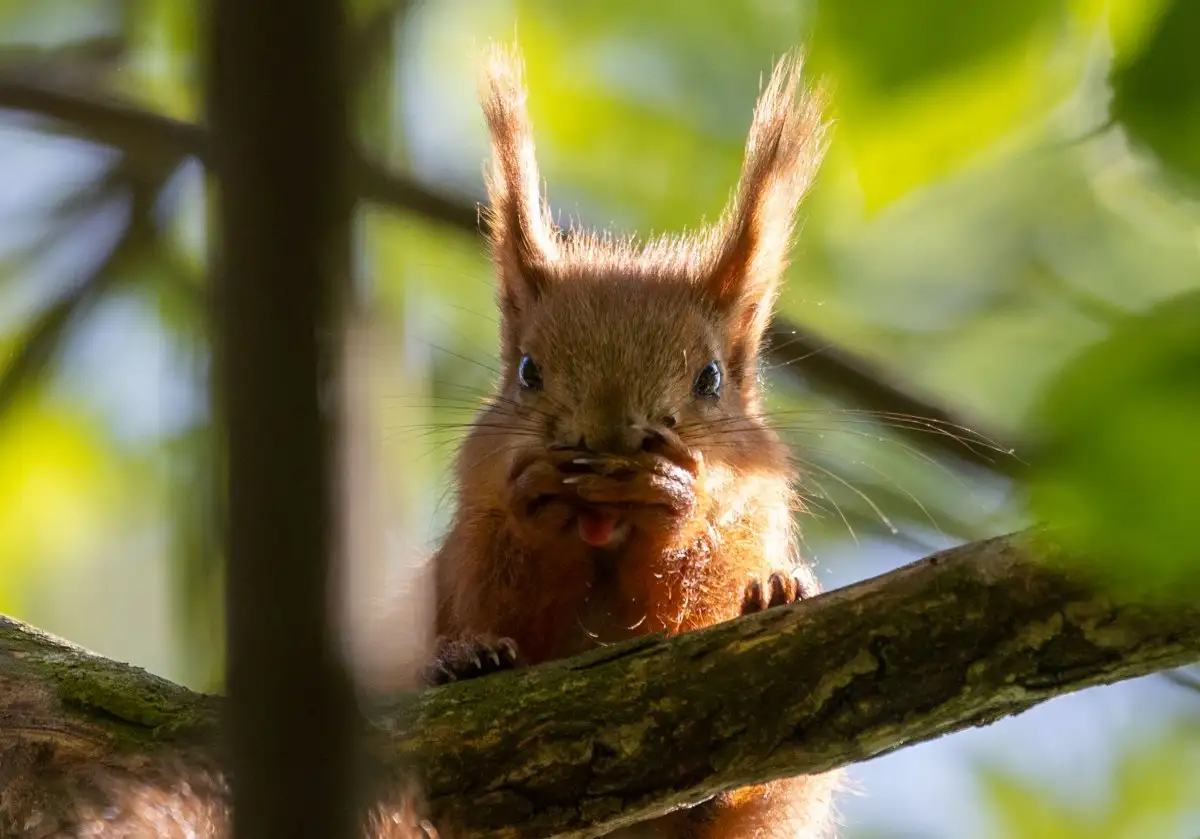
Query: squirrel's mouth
column 601, row 527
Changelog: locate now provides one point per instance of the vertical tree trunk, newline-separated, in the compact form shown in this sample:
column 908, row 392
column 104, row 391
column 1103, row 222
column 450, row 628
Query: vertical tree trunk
column 279, row 123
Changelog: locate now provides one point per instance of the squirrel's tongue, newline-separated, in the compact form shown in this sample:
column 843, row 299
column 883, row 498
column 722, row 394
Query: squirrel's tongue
column 596, row 527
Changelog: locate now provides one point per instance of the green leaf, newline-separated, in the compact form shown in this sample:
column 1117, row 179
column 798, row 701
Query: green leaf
column 897, row 46
column 1021, row 809
column 57, row 496
column 1119, row 463
column 923, row 88
column 589, row 129
column 1156, row 91
column 1152, row 784
column 163, row 71
column 1149, row 791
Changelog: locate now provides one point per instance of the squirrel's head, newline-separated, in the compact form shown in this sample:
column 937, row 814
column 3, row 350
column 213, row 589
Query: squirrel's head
column 608, row 345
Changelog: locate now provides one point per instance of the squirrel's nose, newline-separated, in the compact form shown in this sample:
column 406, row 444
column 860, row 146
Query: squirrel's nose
column 627, row 438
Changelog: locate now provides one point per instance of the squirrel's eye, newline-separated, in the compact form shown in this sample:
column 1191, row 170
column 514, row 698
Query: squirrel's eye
column 528, row 375
column 708, row 383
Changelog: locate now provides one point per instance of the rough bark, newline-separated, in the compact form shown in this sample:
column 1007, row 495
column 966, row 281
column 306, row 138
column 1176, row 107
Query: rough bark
column 579, row 747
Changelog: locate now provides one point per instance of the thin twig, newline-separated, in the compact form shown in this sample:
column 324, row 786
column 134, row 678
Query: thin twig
column 803, row 355
column 1183, row 680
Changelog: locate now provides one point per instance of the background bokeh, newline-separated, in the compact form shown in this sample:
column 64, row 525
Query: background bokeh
column 1005, row 237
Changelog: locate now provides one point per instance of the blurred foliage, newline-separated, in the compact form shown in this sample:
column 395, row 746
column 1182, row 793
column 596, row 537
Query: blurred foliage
column 1156, row 91
column 1119, row 466
column 914, row 105
column 1150, row 791
column 1005, row 226
column 56, row 498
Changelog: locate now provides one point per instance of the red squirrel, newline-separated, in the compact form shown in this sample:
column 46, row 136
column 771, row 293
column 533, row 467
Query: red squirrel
column 622, row 478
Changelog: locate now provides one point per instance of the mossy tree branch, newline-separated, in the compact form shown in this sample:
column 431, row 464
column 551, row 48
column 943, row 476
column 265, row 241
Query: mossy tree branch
column 579, row 747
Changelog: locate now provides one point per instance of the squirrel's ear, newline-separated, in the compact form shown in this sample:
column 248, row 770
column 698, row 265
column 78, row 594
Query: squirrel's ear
column 749, row 246
column 522, row 236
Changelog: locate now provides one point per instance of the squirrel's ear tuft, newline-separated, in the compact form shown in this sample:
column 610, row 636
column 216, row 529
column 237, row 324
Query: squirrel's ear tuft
column 750, row 245
column 522, row 236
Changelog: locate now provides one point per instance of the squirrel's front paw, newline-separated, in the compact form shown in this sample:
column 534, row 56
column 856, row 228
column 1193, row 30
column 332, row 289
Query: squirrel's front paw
column 469, row 658
column 648, row 480
column 781, row 589
column 537, row 496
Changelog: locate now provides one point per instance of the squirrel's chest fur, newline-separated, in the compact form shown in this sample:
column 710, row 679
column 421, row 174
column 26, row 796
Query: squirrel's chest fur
column 557, row 603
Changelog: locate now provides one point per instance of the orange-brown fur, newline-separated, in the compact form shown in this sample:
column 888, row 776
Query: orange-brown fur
column 619, row 332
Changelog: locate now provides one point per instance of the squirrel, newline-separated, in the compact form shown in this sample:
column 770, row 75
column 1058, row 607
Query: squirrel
column 622, row 478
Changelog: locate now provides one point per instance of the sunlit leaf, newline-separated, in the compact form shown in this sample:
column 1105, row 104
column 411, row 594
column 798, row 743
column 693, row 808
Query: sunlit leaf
column 915, row 138
column 1149, row 791
column 1021, row 809
column 56, row 495
column 940, row 37
column 922, row 88
column 1153, row 783
column 1131, row 23
column 164, row 68
column 590, row 125
column 1156, row 91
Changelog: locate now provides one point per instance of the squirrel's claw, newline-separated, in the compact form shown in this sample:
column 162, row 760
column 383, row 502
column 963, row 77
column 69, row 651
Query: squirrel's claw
column 469, row 658
column 780, row 590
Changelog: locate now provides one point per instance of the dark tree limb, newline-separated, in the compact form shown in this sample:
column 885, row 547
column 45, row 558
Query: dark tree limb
column 855, row 381
column 576, row 748
column 147, row 135
column 797, row 351
column 280, row 142
column 37, row 345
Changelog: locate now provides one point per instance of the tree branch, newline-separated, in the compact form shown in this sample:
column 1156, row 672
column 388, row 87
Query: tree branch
column 148, row 135
column 36, row 347
column 580, row 747
column 797, row 351
column 804, row 355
